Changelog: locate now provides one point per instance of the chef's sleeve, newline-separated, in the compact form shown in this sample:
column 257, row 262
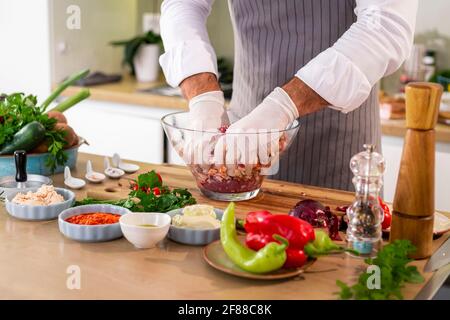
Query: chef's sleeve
column 374, row 46
column 188, row 50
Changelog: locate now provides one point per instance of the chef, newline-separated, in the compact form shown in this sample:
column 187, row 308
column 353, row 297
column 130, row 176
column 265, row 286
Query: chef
column 317, row 60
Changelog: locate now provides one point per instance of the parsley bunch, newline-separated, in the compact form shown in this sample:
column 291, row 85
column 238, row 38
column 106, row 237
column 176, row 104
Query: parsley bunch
column 162, row 201
column 393, row 263
column 149, row 194
column 17, row 110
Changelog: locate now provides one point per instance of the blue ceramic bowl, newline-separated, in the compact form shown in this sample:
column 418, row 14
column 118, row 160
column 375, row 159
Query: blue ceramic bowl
column 91, row 233
column 36, row 162
column 36, row 213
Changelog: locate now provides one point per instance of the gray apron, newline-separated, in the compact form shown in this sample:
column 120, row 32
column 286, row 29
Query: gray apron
column 273, row 39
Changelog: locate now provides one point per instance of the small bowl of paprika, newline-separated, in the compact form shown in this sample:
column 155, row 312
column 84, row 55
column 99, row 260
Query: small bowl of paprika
column 92, row 223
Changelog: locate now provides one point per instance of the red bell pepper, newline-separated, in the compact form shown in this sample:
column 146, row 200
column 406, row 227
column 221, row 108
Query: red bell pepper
column 262, row 225
column 387, row 219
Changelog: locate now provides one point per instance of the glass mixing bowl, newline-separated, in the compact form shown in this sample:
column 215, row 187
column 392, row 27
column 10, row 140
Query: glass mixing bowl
column 235, row 181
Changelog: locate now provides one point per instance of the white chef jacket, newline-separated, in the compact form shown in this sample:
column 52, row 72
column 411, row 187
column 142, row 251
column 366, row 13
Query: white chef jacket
column 344, row 74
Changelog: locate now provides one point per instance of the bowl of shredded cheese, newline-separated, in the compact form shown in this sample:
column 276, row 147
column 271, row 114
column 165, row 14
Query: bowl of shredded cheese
column 195, row 225
column 43, row 203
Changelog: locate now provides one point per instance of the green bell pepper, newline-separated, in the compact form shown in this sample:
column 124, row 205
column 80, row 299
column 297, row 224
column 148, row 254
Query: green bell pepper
column 269, row 258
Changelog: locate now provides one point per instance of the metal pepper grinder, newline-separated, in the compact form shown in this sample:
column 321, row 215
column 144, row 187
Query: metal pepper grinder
column 413, row 206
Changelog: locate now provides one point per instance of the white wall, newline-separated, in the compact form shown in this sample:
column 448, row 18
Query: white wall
column 433, row 14
column 31, row 31
column 102, row 21
column 25, row 49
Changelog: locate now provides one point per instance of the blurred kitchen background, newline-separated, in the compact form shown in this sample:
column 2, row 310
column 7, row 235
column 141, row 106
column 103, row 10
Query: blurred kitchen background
column 44, row 41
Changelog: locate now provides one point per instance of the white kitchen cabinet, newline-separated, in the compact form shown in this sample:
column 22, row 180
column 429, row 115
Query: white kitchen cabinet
column 132, row 131
column 392, row 152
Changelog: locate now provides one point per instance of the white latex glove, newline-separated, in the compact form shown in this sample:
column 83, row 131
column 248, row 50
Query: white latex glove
column 239, row 146
column 206, row 113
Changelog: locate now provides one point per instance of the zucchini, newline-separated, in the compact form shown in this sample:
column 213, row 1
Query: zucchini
column 26, row 138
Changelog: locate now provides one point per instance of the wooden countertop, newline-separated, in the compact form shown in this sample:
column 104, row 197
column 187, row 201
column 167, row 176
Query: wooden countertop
column 397, row 128
column 127, row 91
column 34, row 256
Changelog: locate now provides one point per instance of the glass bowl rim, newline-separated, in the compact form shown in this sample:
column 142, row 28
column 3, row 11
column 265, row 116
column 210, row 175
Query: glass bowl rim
column 294, row 125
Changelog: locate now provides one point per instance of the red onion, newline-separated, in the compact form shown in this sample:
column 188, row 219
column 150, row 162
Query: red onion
column 318, row 216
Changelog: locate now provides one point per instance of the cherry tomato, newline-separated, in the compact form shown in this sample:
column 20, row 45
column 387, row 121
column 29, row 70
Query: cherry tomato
column 387, row 214
column 387, row 220
column 156, row 191
column 134, row 186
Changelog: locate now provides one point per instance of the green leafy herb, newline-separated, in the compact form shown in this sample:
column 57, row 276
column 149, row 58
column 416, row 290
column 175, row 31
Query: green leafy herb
column 126, row 203
column 149, row 180
column 16, row 111
column 148, row 194
column 394, row 272
column 56, row 143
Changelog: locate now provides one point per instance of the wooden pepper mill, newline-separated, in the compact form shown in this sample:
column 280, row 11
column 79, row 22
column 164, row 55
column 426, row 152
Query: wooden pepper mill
column 413, row 214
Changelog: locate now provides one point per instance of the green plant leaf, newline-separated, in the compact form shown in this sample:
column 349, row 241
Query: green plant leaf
column 393, row 262
column 131, row 46
column 149, row 180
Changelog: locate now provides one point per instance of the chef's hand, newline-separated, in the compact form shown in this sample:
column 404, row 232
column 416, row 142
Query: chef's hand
column 207, row 111
column 206, row 115
column 206, row 102
column 274, row 113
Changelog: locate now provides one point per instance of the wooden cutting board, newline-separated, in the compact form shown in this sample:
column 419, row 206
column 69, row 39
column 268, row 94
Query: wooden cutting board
column 109, row 190
column 275, row 196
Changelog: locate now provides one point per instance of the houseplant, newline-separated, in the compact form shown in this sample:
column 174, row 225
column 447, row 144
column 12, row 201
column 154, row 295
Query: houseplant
column 141, row 54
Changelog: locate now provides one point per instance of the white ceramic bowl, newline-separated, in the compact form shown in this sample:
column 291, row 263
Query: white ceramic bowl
column 36, row 213
column 143, row 237
column 91, row 233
